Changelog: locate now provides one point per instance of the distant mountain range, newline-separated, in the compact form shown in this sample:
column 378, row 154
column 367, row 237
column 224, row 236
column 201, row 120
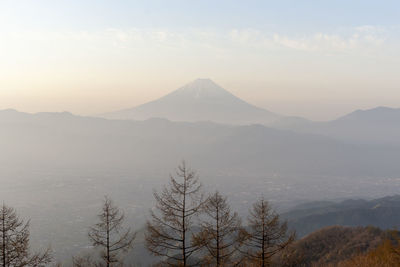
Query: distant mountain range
column 383, row 213
column 215, row 129
column 204, row 100
column 200, row 100
column 62, row 139
column 380, row 125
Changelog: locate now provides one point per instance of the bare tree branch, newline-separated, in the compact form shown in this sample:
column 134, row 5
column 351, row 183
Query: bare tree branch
column 14, row 238
column 109, row 234
column 167, row 234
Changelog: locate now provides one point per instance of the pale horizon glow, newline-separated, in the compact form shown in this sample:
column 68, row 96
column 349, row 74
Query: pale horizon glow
column 289, row 58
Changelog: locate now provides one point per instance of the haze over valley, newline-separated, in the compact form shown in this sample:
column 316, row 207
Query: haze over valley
column 69, row 161
column 199, row 133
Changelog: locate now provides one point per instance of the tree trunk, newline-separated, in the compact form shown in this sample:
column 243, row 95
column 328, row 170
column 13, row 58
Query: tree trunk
column 4, row 238
column 108, row 239
column 263, row 239
column 183, row 225
column 218, row 259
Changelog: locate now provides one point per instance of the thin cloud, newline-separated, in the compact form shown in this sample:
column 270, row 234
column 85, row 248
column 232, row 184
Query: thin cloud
column 361, row 38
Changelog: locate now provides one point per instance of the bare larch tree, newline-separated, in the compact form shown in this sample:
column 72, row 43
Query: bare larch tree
column 169, row 232
column 14, row 238
column 110, row 235
column 266, row 235
column 220, row 232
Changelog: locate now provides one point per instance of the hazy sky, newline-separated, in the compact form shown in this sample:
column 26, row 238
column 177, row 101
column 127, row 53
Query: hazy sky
column 318, row 59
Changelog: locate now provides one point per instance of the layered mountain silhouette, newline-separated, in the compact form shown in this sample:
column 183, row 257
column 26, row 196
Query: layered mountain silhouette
column 379, row 115
column 379, row 125
column 200, row 100
column 204, row 100
column 57, row 139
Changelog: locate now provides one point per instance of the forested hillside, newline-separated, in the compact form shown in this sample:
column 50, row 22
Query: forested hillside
column 309, row 217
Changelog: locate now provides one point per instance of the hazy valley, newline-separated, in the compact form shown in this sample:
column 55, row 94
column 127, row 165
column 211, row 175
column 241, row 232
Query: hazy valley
column 64, row 164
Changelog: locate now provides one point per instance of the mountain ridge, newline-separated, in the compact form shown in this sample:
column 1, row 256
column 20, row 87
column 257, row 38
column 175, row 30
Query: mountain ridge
column 199, row 100
column 380, row 125
column 309, row 217
column 212, row 145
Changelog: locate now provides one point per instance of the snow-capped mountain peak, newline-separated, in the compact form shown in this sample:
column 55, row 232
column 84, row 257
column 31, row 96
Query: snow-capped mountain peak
column 199, row 100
